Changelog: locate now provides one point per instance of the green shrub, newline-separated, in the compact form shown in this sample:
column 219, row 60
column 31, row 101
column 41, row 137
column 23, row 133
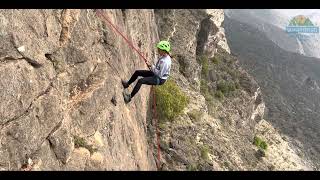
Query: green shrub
column 170, row 100
column 223, row 68
column 223, row 87
column 195, row 115
column 263, row 145
column 257, row 141
column 80, row 142
column 203, row 86
column 231, row 87
column 226, row 164
column 162, row 125
column 260, row 143
column 233, row 73
column 237, row 85
column 205, row 66
column 226, row 87
column 205, row 90
column 192, row 167
column 219, row 94
column 204, row 152
column 215, row 60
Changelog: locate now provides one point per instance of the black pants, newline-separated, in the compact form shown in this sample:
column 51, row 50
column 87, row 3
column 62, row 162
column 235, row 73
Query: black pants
column 148, row 78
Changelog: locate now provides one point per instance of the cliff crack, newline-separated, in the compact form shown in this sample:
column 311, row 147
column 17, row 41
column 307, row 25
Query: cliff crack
column 50, row 143
column 27, row 111
column 54, row 130
column 51, row 148
column 113, row 67
column 32, row 62
column 45, row 27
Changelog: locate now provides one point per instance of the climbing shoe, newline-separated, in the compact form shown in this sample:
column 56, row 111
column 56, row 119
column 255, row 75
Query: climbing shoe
column 124, row 84
column 126, row 97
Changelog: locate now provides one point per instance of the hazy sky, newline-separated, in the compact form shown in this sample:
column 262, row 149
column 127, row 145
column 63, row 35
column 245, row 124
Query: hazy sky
column 294, row 12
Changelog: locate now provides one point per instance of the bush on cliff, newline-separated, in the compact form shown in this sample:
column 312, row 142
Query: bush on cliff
column 170, row 100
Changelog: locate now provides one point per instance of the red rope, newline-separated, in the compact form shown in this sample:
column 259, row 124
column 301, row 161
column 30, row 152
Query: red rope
column 153, row 88
column 156, row 122
column 124, row 37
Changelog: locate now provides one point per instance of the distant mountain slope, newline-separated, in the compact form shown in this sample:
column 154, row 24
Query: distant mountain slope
column 289, row 83
column 273, row 24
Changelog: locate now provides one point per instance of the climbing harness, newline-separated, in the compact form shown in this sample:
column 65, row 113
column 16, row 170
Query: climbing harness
column 100, row 14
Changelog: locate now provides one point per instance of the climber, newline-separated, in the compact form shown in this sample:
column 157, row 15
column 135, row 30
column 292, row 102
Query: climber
column 157, row 75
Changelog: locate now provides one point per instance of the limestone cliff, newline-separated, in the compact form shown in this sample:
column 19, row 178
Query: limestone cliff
column 56, row 92
column 217, row 130
column 61, row 102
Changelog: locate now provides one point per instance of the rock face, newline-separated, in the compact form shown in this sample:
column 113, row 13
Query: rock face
column 59, row 87
column 215, row 134
column 216, row 16
column 61, row 102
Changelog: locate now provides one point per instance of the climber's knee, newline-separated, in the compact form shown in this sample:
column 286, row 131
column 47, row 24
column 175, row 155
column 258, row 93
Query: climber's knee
column 141, row 81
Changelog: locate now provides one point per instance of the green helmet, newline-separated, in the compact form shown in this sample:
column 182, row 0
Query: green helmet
column 164, row 45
